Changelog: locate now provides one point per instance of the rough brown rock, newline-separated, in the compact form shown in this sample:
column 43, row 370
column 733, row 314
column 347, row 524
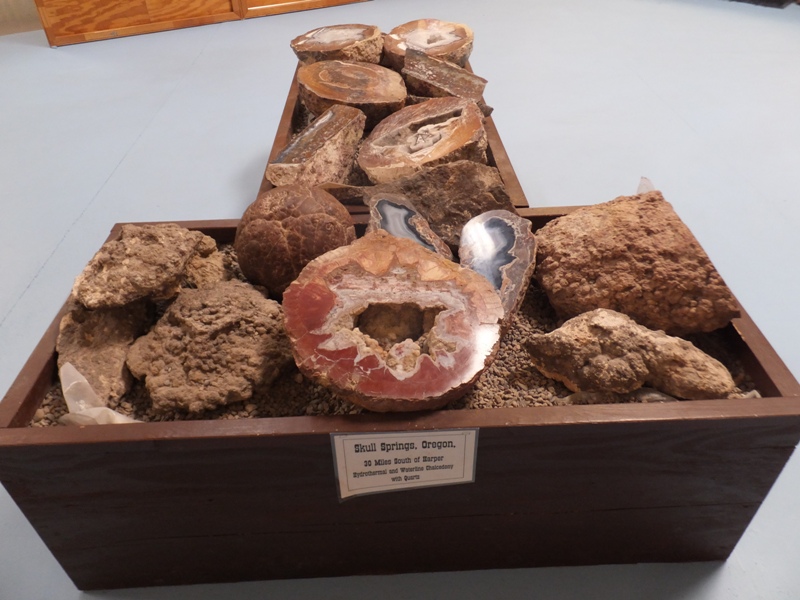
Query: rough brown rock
column 445, row 40
column 96, row 342
column 352, row 42
column 146, row 261
column 429, row 77
column 633, row 255
column 285, row 228
column 606, row 351
column 392, row 326
column 373, row 89
column 325, row 151
column 437, row 131
column 213, row 346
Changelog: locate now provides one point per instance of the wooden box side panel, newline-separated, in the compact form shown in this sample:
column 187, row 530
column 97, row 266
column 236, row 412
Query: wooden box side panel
column 176, row 512
column 74, row 21
column 261, row 8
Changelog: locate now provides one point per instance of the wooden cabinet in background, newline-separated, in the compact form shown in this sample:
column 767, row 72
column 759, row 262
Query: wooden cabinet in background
column 74, row 21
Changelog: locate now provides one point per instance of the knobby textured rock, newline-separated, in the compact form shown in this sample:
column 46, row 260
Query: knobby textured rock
column 606, row 351
column 212, row 347
column 633, row 255
column 96, row 343
column 146, row 261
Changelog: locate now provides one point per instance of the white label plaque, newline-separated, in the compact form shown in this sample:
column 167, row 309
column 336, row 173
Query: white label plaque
column 368, row 463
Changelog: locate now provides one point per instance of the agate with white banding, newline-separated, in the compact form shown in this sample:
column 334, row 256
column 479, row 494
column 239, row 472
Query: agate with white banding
column 499, row 245
column 390, row 325
column 395, row 214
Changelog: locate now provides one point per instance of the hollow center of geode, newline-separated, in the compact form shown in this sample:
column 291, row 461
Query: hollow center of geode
column 391, row 323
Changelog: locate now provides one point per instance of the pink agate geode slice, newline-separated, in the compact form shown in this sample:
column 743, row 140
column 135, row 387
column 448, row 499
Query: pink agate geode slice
column 390, row 325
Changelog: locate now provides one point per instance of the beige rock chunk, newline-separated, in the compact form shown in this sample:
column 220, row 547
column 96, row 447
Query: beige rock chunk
column 284, row 229
column 442, row 39
column 606, row 351
column 213, row 346
column 325, row 151
column 633, row 255
column 96, row 343
column 146, row 261
column 437, row 131
column 373, row 89
column 351, row 42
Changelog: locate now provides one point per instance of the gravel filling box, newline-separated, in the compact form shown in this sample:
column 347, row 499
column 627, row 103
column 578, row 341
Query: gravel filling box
column 201, row 501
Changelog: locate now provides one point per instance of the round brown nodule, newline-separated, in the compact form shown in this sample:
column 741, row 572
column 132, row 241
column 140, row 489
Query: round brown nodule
column 390, row 325
column 284, row 229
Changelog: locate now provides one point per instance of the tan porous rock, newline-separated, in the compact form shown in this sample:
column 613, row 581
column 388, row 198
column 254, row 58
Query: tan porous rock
column 325, row 151
column 437, row 131
column 606, row 351
column 442, row 39
column 633, row 255
column 146, row 261
column 212, row 347
column 352, row 42
column 285, row 228
column 373, row 89
column 96, row 343
column 390, row 325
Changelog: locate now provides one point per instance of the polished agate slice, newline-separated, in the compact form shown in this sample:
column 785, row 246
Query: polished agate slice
column 374, row 89
column 449, row 41
column 390, row 325
column 395, row 214
column 430, row 77
column 500, row 246
column 355, row 42
column 438, row 131
column 323, row 152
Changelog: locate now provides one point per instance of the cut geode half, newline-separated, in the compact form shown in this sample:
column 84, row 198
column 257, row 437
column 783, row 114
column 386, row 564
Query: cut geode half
column 355, row 42
column 500, row 246
column 373, row 89
column 395, row 214
column 438, row 131
column 449, row 41
column 390, row 325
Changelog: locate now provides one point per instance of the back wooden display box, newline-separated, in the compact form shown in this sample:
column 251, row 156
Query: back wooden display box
column 218, row 501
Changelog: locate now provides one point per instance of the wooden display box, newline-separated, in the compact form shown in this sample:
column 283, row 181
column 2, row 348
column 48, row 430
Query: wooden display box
column 185, row 502
column 217, row 501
